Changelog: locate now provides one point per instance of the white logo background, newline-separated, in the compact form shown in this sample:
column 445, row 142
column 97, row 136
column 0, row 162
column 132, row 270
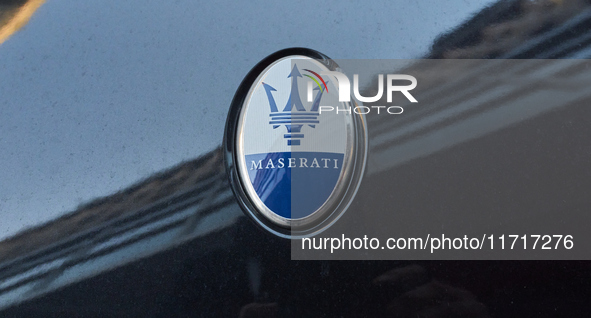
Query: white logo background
column 258, row 136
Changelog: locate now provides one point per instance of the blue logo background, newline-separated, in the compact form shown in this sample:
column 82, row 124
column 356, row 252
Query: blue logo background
column 298, row 191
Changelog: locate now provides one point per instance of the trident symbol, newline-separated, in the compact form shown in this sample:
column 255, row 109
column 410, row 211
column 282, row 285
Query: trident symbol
column 293, row 120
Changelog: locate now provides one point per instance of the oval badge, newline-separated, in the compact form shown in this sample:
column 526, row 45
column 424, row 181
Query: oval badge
column 295, row 153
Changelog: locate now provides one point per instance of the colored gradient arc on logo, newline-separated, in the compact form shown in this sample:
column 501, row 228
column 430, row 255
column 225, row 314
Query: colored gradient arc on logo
column 319, row 77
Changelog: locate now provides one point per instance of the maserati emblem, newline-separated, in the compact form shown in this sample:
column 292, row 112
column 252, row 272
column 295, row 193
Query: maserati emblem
column 293, row 169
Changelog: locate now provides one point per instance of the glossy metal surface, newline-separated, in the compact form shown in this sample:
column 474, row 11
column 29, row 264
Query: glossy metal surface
column 150, row 86
column 97, row 96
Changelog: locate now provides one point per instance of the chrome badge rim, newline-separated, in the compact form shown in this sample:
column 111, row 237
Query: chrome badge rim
column 294, row 171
